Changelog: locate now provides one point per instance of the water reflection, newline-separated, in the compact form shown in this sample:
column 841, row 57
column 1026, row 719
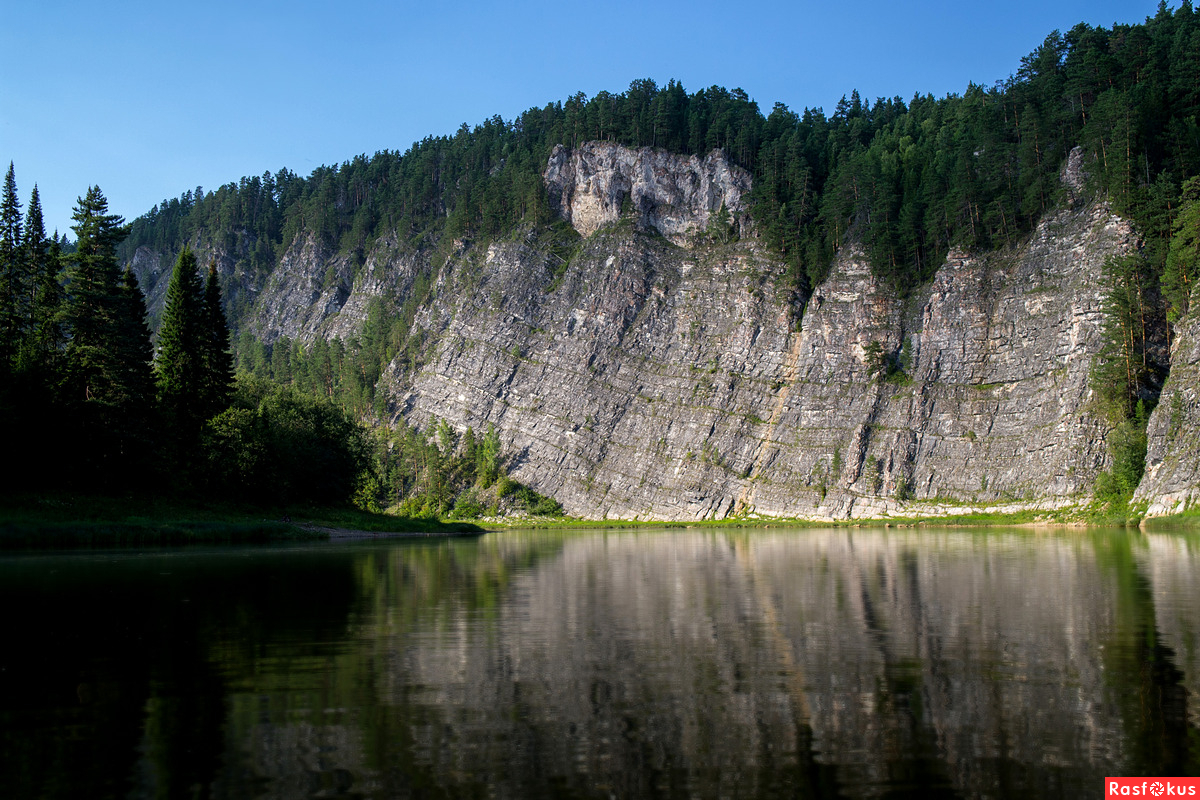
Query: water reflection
column 794, row 663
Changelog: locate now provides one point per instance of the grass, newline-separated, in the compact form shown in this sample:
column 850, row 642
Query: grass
column 76, row 520
column 1188, row 520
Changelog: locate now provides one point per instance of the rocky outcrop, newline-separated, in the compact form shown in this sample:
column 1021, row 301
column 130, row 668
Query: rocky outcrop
column 242, row 284
column 316, row 293
column 1171, row 483
column 312, row 292
column 674, row 194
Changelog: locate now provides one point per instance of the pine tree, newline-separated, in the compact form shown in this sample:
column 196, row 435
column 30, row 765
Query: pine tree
column 1121, row 370
column 215, row 355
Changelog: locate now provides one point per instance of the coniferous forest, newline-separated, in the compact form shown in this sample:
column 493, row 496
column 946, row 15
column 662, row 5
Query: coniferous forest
column 93, row 407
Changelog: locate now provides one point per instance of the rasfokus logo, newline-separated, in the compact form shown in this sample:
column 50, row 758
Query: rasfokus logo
column 1152, row 787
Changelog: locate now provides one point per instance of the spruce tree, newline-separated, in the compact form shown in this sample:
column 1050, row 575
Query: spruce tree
column 179, row 363
column 43, row 337
column 215, row 354
column 134, row 357
column 30, row 407
column 99, row 386
column 13, row 278
column 93, row 280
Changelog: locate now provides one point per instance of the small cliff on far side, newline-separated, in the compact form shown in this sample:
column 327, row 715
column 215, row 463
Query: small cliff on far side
column 1171, row 483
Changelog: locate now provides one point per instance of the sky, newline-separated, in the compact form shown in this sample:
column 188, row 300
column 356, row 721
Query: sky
column 149, row 99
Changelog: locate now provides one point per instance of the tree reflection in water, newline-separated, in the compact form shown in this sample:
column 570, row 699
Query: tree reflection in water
column 763, row 663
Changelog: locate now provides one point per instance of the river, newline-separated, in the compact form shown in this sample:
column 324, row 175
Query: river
column 654, row 663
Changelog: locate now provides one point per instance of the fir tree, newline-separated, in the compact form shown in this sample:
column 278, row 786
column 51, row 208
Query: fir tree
column 93, row 280
column 134, row 355
column 43, row 337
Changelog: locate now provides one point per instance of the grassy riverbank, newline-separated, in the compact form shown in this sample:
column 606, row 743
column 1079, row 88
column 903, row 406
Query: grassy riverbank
column 66, row 521
column 1083, row 515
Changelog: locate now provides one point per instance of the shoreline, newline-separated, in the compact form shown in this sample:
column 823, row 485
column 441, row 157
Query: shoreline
column 351, row 534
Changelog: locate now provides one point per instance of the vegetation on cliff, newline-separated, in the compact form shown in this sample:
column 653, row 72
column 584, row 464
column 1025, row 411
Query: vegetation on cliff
column 910, row 179
column 82, row 380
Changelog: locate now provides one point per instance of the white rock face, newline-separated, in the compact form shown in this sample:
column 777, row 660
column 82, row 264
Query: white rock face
column 674, row 194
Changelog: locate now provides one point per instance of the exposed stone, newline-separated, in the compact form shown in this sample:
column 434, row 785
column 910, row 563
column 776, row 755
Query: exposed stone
column 662, row 383
column 674, row 194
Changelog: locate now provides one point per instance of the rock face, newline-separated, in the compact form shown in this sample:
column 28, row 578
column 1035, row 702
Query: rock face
column 663, row 384
column 1172, row 480
column 317, row 293
column 676, row 195
column 660, row 374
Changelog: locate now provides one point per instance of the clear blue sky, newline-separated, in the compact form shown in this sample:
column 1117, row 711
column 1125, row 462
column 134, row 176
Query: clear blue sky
column 148, row 99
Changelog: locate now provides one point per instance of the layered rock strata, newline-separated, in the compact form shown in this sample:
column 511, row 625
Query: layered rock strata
column 657, row 373
column 660, row 383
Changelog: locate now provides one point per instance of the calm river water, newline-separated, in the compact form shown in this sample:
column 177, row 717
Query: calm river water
column 681, row 663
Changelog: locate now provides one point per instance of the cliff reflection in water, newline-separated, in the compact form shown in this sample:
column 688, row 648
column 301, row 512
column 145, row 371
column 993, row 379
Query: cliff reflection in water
column 743, row 664
column 797, row 663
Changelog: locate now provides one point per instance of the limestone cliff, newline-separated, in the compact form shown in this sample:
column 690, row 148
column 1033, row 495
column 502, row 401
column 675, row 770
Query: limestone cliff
column 662, row 383
column 657, row 373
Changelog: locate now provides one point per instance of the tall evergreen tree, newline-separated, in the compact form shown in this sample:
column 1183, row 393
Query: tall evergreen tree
column 1183, row 258
column 13, row 277
column 216, row 357
column 93, row 279
column 43, row 337
column 134, row 357
column 100, row 387
column 1121, row 370
column 179, row 364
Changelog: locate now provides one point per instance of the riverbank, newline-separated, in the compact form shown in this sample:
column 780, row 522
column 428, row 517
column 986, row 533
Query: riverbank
column 1081, row 516
column 77, row 521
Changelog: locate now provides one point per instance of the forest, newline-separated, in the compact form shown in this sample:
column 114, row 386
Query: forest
column 94, row 404
column 910, row 179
